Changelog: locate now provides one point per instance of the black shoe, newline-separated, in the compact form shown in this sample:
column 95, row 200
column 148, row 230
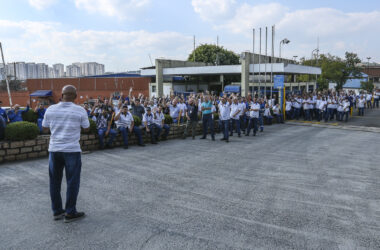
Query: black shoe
column 154, row 142
column 101, row 147
column 125, row 147
column 109, row 146
column 73, row 217
column 202, row 138
column 193, row 137
column 223, row 139
column 246, row 134
column 59, row 216
column 227, row 140
column 141, row 145
column 164, row 138
column 231, row 134
column 254, row 134
column 239, row 135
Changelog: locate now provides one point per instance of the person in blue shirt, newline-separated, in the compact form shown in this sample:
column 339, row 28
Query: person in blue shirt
column 3, row 121
column 206, row 107
column 15, row 114
column 40, row 110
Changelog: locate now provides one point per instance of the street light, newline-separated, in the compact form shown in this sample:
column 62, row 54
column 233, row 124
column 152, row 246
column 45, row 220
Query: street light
column 284, row 41
column 295, row 58
column 368, row 58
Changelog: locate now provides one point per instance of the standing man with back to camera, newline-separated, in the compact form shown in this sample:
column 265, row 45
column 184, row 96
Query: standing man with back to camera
column 65, row 120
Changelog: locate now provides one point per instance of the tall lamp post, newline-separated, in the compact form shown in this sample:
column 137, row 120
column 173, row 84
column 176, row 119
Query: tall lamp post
column 295, row 58
column 368, row 58
column 283, row 41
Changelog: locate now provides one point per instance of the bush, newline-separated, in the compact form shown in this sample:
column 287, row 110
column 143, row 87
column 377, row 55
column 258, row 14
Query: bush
column 216, row 116
column 93, row 129
column 30, row 116
column 137, row 120
column 168, row 119
column 19, row 131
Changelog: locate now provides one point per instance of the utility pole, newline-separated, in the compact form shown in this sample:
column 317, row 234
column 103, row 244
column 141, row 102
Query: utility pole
column 253, row 58
column 266, row 54
column 368, row 58
column 271, row 66
column 260, row 62
column 194, row 48
column 217, row 41
column 5, row 77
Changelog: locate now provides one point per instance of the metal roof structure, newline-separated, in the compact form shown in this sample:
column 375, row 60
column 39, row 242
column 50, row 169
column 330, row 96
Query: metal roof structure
column 278, row 68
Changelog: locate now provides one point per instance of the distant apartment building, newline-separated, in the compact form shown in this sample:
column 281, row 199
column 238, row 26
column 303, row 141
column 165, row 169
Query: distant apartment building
column 73, row 71
column 59, row 69
column 31, row 69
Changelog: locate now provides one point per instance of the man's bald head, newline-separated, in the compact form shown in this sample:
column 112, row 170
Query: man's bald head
column 69, row 93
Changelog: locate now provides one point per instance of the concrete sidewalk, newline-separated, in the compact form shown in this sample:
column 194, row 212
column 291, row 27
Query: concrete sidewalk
column 291, row 187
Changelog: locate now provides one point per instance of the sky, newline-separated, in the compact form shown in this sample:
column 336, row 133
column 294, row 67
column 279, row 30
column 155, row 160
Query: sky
column 129, row 34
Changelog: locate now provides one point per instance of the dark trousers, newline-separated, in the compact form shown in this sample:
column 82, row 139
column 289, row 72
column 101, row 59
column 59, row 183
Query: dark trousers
column 236, row 124
column 280, row 118
column 101, row 133
column 376, row 103
column 2, row 127
column 361, row 111
column 193, row 125
column 208, row 122
column 159, row 130
column 369, row 104
column 125, row 131
column 243, row 122
column 253, row 123
column 72, row 164
column 307, row 115
column 225, row 124
column 297, row 112
column 153, row 132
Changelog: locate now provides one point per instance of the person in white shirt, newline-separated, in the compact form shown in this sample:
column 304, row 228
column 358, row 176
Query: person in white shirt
column 254, row 112
column 148, row 122
column 243, row 119
column 236, row 109
column 125, row 124
column 65, row 120
column 277, row 113
column 376, row 97
column 182, row 105
column 224, row 117
column 288, row 109
column 346, row 109
column 369, row 100
column 306, row 109
column 159, row 123
column 297, row 103
column 340, row 111
column 361, row 102
column 267, row 115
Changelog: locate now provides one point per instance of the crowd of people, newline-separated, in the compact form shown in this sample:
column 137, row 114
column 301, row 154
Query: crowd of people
column 237, row 114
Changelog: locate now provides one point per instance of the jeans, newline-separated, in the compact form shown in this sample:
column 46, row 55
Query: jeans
column 369, row 104
column 297, row 112
column 376, row 104
column 208, row 122
column 39, row 124
column 307, row 115
column 340, row 115
column 72, row 164
column 235, row 123
column 261, row 122
column 125, row 131
column 361, row 111
column 243, row 122
column 101, row 133
column 159, row 128
column 346, row 114
column 193, row 125
column 280, row 118
column 252, row 122
column 330, row 113
column 225, row 124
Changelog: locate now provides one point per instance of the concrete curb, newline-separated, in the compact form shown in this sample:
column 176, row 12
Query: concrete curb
column 345, row 127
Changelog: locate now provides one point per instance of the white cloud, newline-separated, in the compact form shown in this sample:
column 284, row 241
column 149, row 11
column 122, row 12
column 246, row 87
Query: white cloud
column 121, row 9
column 118, row 50
column 213, row 9
column 338, row 31
column 41, row 4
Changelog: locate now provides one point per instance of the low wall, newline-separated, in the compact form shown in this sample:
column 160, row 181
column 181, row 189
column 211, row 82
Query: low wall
column 24, row 150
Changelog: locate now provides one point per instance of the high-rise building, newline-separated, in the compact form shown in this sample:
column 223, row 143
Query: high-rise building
column 42, row 70
column 73, row 71
column 21, row 73
column 31, row 70
column 59, row 69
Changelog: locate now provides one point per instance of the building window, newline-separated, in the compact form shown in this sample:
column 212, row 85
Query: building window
column 153, row 88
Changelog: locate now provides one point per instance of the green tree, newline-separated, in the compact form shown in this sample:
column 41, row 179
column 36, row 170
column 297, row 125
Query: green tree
column 217, row 55
column 352, row 60
column 368, row 86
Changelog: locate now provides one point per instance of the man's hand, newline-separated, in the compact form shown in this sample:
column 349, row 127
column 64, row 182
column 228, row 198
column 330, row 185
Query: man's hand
column 107, row 132
column 147, row 129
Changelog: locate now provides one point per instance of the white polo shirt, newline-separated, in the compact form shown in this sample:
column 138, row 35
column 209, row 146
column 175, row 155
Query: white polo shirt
column 235, row 108
column 65, row 121
column 224, row 110
column 254, row 114
column 159, row 118
column 125, row 120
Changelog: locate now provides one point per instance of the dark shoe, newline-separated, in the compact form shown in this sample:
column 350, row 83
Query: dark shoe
column 246, row 134
column 101, row 147
column 213, row 138
column 73, row 217
column 109, row 146
column 154, row 142
column 231, row 134
column 223, row 139
column 141, row 145
column 202, row 138
column 193, row 137
column 125, row 147
column 164, row 138
column 59, row 216
column 254, row 134
column 239, row 135
column 227, row 140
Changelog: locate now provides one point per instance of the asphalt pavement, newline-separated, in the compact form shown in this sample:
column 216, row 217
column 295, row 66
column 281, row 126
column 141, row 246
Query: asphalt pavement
column 291, row 187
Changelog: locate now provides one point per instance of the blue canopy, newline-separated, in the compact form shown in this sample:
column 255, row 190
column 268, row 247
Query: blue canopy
column 232, row 88
column 42, row 93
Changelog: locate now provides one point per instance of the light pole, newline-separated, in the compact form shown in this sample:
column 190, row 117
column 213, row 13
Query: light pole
column 368, row 58
column 283, row 41
column 295, row 58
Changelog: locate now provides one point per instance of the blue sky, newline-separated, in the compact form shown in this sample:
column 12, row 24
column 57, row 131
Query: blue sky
column 123, row 33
